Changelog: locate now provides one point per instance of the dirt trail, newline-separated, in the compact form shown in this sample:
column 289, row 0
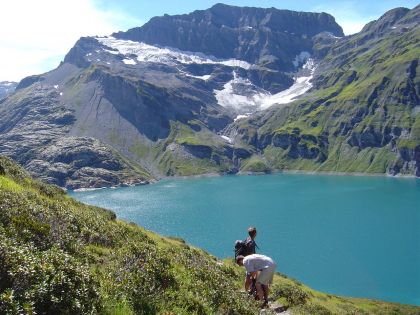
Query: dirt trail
column 275, row 308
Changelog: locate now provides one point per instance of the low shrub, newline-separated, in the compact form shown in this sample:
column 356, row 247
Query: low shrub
column 44, row 282
column 293, row 294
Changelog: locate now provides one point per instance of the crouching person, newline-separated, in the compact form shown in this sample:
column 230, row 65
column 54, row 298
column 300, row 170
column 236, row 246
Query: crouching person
column 261, row 266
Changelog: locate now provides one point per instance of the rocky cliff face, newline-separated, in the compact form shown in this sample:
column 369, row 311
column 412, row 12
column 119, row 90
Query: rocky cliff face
column 34, row 130
column 171, row 97
column 265, row 37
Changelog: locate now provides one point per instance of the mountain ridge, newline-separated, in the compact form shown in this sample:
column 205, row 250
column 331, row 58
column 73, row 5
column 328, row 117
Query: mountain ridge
column 237, row 32
column 162, row 111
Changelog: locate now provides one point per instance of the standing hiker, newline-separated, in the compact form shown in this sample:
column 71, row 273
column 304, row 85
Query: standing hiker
column 245, row 248
column 250, row 247
column 250, row 241
column 262, row 267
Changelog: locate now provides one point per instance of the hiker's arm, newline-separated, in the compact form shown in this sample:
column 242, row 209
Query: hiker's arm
column 248, row 279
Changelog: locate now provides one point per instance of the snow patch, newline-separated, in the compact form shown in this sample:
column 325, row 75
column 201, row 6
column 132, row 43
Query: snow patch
column 227, row 139
column 333, row 36
column 129, row 61
column 244, row 97
column 164, row 55
column 300, row 86
column 239, row 94
column 242, row 116
column 201, row 77
column 113, row 52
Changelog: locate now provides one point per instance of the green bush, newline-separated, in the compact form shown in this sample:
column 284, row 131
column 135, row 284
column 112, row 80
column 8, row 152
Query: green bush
column 32, row 230
column 292, row 293
column 44, row 282
column 311, row 309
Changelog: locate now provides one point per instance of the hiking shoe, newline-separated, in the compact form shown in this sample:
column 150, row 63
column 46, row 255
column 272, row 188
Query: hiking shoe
column 264, row 304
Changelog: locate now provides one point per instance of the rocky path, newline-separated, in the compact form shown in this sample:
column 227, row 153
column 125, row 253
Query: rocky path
column 275, row 308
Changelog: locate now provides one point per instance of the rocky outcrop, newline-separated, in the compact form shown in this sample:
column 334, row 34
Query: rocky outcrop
column 7, row 88
column 82, row 162
column 34, row 132
column 268, row 37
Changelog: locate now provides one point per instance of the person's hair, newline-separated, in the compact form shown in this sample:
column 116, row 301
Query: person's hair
column 238, row 258
column 252, row 231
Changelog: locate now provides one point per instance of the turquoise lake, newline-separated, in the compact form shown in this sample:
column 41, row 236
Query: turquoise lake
column 346, row 235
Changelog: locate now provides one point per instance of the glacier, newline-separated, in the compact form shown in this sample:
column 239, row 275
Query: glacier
column 164, row 55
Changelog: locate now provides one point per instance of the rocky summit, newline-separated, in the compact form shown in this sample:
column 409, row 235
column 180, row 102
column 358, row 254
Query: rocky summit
column 223, row 90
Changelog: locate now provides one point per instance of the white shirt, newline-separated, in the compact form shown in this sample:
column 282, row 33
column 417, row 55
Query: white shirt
column 257, row 262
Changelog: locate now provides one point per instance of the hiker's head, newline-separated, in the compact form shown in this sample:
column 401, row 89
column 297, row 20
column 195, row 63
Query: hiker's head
column 252, row 231
column 240, row 260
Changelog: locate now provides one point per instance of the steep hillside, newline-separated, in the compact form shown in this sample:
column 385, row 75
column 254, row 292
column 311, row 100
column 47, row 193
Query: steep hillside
column 362, row 114
column 58, row 256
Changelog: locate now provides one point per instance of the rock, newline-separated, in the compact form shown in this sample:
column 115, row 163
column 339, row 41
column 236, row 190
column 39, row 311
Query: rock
column 200, row 151
column 227, row 32
column 34, row 131
column 7, row 88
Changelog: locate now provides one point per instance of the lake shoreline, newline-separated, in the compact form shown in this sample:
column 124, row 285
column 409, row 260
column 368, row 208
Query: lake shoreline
column 209, row 175
column 297, row 172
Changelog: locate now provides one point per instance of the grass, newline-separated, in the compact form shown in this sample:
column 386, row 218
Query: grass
column 96, row 263
column 255, row 164
column 9, row 185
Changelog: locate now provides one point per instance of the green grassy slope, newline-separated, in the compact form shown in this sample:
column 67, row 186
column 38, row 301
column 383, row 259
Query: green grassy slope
column 58, row 256
column 363, row 112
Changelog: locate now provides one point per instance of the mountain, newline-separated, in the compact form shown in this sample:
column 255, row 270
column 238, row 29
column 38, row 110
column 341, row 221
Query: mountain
column 6, row 88
column 116, row 104
column 269, row 38
column 59, row 256
column 362, row 114
column 222, row 90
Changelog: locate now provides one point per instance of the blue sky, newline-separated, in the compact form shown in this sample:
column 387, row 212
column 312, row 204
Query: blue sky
column 36, row 39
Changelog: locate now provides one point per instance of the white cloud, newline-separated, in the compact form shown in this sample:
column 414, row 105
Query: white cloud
column 347, row 15
column 37, row 34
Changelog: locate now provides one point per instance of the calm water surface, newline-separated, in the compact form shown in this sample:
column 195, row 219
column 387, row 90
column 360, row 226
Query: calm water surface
column 347, row 235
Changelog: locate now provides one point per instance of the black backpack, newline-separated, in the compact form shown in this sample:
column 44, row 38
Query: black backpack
column 242, row 248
